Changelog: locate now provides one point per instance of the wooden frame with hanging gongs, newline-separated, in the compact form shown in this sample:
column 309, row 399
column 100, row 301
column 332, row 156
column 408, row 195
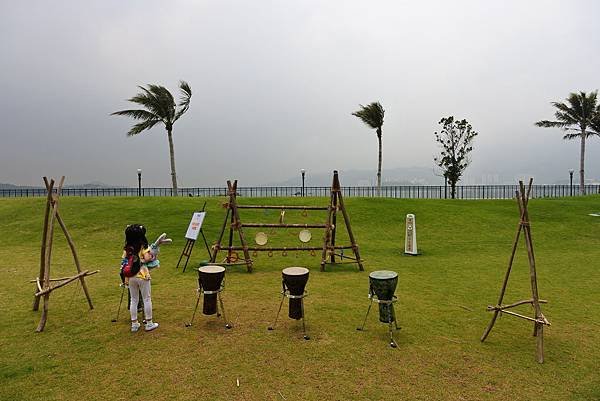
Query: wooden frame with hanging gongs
column 328, row 255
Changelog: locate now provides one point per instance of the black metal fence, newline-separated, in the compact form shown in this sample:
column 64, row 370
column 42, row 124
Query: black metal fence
column 399, row 191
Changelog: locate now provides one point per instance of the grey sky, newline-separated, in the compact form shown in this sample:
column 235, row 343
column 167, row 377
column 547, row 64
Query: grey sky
column 274, row 84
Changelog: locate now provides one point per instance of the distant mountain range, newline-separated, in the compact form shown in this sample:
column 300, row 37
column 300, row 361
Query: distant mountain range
column 394, row 176
column 429, row 176
column 352, row 178
column 93, row 184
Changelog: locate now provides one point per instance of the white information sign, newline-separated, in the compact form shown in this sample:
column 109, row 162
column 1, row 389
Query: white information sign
column 195, row 225
column 410, row 240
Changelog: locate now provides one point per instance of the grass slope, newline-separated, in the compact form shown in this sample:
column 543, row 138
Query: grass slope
column 442, row 298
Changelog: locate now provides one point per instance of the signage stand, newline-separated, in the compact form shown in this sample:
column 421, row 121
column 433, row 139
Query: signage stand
column 194, row 228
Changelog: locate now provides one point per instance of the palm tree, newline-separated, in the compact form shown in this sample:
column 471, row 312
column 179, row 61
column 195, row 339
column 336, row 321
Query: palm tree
column 372, row 116
column 578, row 117
column 159, row 107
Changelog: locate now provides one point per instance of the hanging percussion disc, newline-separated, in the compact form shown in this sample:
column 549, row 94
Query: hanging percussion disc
column 261, row 238
column 305, row 235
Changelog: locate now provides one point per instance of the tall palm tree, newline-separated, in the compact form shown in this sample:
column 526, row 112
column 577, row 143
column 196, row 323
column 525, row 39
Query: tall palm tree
column 372, row 116
column 578, row 117
column 159, row 107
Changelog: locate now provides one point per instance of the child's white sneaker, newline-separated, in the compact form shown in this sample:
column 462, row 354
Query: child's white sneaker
column 135, row 327
column 151, row 326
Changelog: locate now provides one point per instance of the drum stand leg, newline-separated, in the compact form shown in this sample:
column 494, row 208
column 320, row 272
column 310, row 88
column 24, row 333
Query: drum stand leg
column 393, row 316
column 227, row 325
column 365, row 321
column 303, row 324
column 195, row 309
column 395, row 319
column 279, row 310
column 392, row 342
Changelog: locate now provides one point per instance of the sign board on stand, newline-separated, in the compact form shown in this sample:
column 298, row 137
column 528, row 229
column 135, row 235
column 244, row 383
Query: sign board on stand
column 195, row 225
column 194, row 228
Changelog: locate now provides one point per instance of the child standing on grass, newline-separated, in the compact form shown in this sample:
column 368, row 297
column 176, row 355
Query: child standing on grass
column 138, row 279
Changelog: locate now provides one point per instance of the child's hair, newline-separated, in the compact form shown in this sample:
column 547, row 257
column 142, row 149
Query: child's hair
column 135, row 238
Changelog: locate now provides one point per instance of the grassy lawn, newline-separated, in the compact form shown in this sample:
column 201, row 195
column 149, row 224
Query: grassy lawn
column 442, row 295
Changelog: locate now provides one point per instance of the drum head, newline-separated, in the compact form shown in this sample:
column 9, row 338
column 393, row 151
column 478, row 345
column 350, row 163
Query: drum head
column 305, row 235
column 383, row 275
column 211, row 269
column 295, row 271
column 261, row 238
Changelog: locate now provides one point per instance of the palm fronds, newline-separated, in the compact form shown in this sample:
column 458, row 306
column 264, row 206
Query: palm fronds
column 371, row 114
column 578, row 113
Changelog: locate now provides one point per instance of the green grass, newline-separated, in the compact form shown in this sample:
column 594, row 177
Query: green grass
column 442, row 295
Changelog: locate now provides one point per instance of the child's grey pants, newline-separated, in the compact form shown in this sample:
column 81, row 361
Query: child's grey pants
column 137, row 285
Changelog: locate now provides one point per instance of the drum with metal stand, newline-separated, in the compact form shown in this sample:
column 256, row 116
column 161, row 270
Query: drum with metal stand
column 211, row 282
column 382, row 285
column 293, row 283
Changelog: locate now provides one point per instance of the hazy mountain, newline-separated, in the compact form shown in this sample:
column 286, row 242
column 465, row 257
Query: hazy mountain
column 93, row 184
column 431, row 176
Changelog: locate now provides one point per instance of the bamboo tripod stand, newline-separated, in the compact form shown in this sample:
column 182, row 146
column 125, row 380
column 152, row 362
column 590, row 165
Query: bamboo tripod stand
column 539, row 319
column 336, row 203
column 43, row 287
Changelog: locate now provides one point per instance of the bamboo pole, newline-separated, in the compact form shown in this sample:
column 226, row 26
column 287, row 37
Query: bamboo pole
column 233, row 223
column 49, row 186
column 46, row 284
column 347, row 221
column 327, row 235
column 334, row 221
column 75, row 258
column 240, row 230
column 217, row 246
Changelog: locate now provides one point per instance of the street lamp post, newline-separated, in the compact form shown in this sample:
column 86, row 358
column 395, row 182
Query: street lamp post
column 303, row 172
column 139, row 171
column 571, row 181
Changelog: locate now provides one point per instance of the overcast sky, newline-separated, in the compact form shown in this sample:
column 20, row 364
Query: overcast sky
column 275, row 82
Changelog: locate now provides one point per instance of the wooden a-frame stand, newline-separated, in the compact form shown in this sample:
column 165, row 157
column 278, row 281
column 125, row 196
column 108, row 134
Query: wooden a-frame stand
column 43, row 281
column 328, row 248
column 539, row 321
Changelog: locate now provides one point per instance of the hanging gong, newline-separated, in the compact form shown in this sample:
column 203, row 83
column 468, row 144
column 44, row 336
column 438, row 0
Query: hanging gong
column 305, row 235
column 261, row 238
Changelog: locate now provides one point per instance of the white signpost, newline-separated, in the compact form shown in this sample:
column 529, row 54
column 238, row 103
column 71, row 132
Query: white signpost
column 195, row 225
column 410, row 240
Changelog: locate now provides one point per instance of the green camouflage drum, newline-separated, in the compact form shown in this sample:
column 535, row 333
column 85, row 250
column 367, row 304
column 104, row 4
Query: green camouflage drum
column 382, row 284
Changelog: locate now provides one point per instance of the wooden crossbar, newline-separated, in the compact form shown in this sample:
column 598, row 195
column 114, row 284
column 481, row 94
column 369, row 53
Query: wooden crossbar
column 65, row 282
column 281, row 248
column 538, row 321
column 282, row 207
column 502, row 307
column 275, row 225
